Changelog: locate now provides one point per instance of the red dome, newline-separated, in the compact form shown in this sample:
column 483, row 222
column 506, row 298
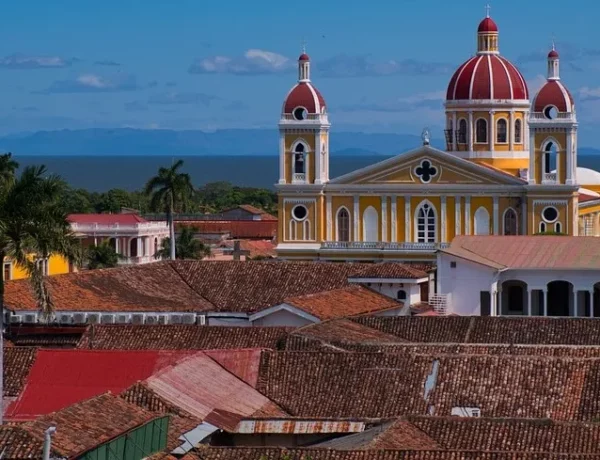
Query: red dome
column 487, row 25
column 553, row 54
column 304, row 57
column 553, row 93
column 304, row 94
column 487, row 76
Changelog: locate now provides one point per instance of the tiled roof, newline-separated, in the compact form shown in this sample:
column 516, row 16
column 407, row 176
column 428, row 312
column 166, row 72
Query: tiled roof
column 278, row 453
column 87, row 424
column 257, row 248
column 106, row 219
column 379, row 385
column 17, row 443
column 44, row 336
column 488, row 329
column 510, row 435
column 529, row 252
column 71, row 376
column 257, row 211
column 150, row 287
column 337, row 333
column 180, row 337
column 392, row 270
column 17, row 364
column 347, row 301
column 261, row 229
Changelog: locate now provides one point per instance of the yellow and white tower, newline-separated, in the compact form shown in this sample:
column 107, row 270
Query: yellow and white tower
column 487, row 104
column 553, row 131
column 304, row 132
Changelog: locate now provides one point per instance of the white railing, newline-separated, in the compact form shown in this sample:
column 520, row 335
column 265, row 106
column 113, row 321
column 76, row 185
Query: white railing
column 298, row 177
column 375, row 245
column 558, row 116
column 83, row 228
column 309, row 117
column 137, row 260
column 549, row 178
column 439, row 303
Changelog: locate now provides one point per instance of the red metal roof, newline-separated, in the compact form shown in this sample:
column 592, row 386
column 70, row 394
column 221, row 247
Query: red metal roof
column 106, row 219
column 487, row 25
column 304, row 57
column 553, row 54
column 70, row 376
column 304, row 94
column 237, row 228
column 487, row 76
column 243, row 364
column 553, row 93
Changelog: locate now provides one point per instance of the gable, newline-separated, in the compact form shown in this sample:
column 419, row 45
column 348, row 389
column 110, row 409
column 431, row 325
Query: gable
column 427, row 166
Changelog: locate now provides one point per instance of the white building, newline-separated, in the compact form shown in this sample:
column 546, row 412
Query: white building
column 132, row 236
column 521, row 275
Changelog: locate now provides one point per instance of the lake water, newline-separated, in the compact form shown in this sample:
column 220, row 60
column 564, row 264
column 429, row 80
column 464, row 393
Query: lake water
column 101, row 173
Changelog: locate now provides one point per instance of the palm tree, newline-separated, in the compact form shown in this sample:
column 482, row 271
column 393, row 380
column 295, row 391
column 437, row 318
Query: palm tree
column 169, row 190
column 102, row 256
column 32, row 222
column 187, row 246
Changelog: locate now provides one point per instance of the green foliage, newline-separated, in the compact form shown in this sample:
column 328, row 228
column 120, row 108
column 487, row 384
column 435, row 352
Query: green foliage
column 186, row 246
column 219, row 196
column 102, row 256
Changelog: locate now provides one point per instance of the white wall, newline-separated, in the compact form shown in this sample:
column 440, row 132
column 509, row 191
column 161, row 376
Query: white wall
column 462, row 285
column 282, row 318
column 413, row 291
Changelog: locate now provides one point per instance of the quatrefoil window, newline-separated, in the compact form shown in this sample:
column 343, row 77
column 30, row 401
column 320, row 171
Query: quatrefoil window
column 426, row 171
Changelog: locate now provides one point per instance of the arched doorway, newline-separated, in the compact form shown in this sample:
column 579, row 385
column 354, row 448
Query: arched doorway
column 559, row 298
column 509, row 226
column 370, row 225
column 343, row 225
column 482, row 221
column 514, row 298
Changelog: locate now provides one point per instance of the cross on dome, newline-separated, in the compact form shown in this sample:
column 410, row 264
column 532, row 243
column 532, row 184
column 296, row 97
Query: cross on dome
column 487, row 10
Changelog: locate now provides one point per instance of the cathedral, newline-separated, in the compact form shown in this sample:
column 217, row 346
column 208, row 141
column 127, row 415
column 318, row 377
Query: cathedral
column 509, row 168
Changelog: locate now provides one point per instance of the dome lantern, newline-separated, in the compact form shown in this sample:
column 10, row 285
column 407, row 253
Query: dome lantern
column 487, row 35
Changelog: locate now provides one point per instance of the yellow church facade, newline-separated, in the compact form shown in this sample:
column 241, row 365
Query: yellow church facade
column 509, row 168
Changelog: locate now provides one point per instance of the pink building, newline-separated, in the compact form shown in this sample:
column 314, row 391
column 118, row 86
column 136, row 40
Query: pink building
column 132, row 236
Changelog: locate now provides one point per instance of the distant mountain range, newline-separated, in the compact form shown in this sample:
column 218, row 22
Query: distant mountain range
column 126, row 141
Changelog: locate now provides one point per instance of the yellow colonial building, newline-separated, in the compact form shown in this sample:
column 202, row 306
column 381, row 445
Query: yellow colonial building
column 53, row 265
column 509, row 168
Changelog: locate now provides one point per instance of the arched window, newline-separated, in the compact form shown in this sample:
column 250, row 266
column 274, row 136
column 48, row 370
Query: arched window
column 370, row 224
column 343, row 225
column 293, row 232
column 558, row 227
column 481, row 131
column 482, row 221
column 401, row 294
column 518, row 131
column 542, row 227
column 425, row 223
column 462, row 131
column 299, row 159
column 501, row 131
column 550, row 157
column 510, row 222
column 306, row 230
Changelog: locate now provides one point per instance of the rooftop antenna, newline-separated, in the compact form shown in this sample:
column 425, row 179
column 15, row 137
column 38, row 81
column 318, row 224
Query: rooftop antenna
column 487, row 10
column 553, row 41
column 303, row 45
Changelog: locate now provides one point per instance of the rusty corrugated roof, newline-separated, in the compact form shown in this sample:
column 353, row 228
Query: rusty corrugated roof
column 529, row 252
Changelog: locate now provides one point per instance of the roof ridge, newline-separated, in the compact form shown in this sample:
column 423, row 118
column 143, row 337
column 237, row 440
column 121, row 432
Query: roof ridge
column 171, row 264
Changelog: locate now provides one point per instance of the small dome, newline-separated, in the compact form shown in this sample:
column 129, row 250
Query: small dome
column 553, row 94
column 586, row 176
column 304, row 95
column 553, row 54
column 487, row 25
column 487, row 77
column 304, row 57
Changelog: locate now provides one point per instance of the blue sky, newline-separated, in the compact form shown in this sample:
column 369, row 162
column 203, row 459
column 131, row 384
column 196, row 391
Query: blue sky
column 382, row 66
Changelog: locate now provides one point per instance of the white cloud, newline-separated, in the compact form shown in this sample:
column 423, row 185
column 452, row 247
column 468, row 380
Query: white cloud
column 92, row 83
column 253, row 62
column 20, row 61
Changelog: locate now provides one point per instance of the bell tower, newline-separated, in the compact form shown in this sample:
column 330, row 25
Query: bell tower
column 553, row 131
column 304, row 132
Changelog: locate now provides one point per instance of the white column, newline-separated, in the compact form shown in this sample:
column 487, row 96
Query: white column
column 329, row 217
column 356, row 218
column 307, row 177
column 523, row 218
column 147, row 246
column 492, row 131
column 407, row 219
column 496, row 208
column 282, row 157
column 117, row 245
column 443, row 226
column 591, row 312
column 457, row 216
column 528, row 301
column 139, row 246
column 576, row 302
column 394, row 235
column 494, row 299
column 467, row 215
column 543, row 297
column 569, row 177
column 511, row 131
column 384, row 218
column 317, row 158
column 470, row 131
column 454, row 130
column 532, row 148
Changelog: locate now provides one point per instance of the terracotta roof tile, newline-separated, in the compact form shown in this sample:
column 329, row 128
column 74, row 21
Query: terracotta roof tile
column 17, row 443
column 257, row 248
column 150, row 287
column 348, row 301
column 446, row 329
column 180, row 337
column 17, row 364
column 278, row 453
column 44, row 336
column 257, row 211
column 556, row 252
column 87, row 424
column 392, row 270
